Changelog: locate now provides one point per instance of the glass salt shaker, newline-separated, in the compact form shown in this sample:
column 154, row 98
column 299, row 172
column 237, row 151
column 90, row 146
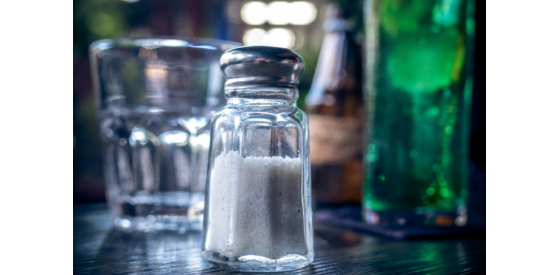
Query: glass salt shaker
column 257, row 214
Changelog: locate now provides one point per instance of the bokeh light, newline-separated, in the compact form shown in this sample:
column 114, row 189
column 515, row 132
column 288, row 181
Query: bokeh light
column 302, row 13
column 277, row 37
column 254, row 13
column 280, row 37
column 279, row 13
column 254, row 37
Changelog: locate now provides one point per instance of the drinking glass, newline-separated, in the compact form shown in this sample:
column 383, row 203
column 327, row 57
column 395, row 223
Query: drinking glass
column 156, row 97
column 418, row 100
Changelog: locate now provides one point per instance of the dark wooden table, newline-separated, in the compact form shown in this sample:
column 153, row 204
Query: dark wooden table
column 99, row 249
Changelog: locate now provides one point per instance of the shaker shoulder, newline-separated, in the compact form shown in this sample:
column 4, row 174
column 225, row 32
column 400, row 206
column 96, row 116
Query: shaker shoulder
column 271, row 114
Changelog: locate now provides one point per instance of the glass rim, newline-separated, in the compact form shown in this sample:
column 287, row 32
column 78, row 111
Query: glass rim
column 163, row 41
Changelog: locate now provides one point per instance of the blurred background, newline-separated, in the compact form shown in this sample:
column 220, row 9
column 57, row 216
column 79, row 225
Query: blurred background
column 296, row 25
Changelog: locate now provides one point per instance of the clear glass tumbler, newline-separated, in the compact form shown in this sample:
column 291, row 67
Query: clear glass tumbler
column 155, row 100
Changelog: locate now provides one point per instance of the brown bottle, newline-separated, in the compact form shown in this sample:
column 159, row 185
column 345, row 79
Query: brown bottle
column 336, row 114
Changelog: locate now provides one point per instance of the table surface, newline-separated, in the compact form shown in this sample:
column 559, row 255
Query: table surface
column 100, row 249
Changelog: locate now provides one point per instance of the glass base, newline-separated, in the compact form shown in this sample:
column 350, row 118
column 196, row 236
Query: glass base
column 152, row 223
column 418, row 217
column 172, row 211
column 253, row 263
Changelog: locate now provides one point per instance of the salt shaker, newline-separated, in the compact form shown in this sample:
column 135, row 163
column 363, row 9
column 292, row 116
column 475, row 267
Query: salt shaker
column 257, row 214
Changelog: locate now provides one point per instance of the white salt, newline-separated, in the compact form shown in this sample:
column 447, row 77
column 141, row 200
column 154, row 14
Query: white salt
column 255, row 207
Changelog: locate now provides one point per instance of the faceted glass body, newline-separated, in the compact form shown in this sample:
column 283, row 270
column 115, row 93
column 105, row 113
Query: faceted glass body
column 258, row 215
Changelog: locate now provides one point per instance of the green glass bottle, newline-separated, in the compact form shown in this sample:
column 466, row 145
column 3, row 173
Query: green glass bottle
column 417, row 97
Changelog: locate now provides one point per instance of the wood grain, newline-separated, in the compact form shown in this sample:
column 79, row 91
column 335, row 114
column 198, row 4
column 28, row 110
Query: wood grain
column 99, row 249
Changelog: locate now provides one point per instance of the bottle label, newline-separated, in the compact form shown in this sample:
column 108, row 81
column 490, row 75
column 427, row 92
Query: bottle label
column 334, row 140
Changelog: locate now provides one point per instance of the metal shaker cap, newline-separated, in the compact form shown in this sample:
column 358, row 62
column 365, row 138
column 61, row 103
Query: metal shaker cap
column 261, row 65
